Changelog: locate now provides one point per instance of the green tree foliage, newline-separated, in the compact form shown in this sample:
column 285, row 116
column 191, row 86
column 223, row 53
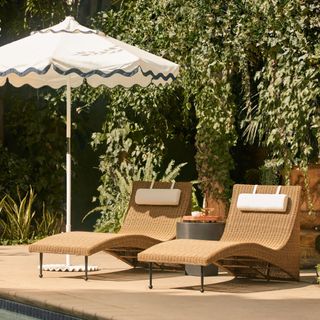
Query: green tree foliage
column 115, row 204
column 19, row 18
column 285, row 115
column 35, row 133
column 246, row 65
column 34, row 146
column 14, row 171
column 40, row 14
column 191, row 34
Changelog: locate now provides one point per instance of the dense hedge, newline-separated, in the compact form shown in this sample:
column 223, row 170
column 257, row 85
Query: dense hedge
column 248, row 67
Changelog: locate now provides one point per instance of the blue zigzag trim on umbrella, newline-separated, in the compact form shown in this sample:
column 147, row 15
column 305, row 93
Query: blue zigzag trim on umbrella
column 96, row 72
column 24, row 73
column 66, row 31
column 90, row 73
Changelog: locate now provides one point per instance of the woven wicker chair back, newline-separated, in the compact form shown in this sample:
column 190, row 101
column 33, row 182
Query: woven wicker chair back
column 268, row 228
column 156, row 221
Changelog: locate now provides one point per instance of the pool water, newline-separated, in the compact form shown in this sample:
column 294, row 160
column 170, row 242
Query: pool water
column 11, row 310
column 9, row 315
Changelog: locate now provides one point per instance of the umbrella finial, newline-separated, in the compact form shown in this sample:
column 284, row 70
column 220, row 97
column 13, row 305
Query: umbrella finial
column 69, row 25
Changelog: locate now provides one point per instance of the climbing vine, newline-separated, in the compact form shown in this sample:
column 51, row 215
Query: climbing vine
column 190, row 34
column 286, row 115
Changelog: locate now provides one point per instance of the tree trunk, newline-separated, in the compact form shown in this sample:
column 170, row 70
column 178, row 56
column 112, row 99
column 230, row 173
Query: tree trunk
column 214, row 206
column 309, row 221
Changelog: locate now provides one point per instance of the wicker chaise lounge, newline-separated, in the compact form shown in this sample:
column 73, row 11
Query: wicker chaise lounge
column 256, row 243
column 145, row 225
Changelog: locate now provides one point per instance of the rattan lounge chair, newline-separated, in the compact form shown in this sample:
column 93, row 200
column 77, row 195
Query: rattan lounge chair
column 255, row 244
column 145, row 225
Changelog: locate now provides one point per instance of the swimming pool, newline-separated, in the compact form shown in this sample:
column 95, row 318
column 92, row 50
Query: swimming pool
column 11, row 310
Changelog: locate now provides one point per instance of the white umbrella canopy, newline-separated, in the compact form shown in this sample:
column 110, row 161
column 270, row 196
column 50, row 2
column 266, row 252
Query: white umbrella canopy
column 69, row 50
column 68, row 53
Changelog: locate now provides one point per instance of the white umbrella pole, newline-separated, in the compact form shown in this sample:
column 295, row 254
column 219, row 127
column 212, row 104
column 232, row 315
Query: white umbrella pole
column 68, row 266
column 68, row 162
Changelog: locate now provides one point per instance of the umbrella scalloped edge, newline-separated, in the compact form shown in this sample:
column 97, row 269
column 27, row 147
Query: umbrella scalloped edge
column 70, row 268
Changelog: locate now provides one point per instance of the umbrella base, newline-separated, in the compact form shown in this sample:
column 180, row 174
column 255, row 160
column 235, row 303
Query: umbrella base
column 67, row 268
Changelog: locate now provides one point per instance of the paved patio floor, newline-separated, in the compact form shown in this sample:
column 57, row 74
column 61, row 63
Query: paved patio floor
column 121, row 293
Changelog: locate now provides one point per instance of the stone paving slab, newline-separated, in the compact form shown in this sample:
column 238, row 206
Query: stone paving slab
column 119, row 292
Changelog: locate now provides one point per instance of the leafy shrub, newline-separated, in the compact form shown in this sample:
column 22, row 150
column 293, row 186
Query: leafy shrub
column 199, row 105
column 246, row 67
column 318, row 273
column 19, row 224
column 17, row 216
column 115, row 194
column 48, row 224
column 14, row 171
column 34, row 152
column 283, row 114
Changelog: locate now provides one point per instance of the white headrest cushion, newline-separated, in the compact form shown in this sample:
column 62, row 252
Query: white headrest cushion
column 158, row 197
column 262, row 202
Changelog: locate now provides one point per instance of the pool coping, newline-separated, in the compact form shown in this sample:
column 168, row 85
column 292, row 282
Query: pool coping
column 40, row 304
column 35, row 312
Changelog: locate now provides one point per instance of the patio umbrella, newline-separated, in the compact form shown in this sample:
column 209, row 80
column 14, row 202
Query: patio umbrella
column 67, row 54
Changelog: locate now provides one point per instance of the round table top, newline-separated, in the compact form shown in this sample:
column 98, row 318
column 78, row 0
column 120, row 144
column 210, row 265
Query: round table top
column 204, row 218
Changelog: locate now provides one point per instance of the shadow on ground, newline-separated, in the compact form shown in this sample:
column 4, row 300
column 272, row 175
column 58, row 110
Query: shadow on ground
column 230, row 286
column 251, row 285
column 129, row 275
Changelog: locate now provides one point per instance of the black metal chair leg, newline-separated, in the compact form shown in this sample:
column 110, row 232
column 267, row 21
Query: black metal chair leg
column 202, row 281
column 150, row 275
column 41, row 263
column 86, row 268
column 268, row 272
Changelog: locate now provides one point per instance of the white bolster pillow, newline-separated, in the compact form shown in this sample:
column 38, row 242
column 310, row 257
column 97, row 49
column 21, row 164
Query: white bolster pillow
column 158, row 197
column 262, row 202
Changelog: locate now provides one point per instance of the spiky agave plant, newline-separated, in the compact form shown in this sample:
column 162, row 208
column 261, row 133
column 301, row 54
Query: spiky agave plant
column 16, row 216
